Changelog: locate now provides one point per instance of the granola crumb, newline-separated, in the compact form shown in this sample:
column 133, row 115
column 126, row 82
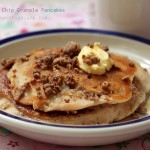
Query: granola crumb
column 72, row 49
column 7, row 63
column 131, row 64
column 142, row 110
column 90, row 60
column 135, row 116
column 126, row 79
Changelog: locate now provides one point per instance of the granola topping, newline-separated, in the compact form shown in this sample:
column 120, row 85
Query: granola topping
column 36, row 74
column 7, row 63
column 105, row 85
column 90, row 60
column 126, row 79
column 24, row 58
column 68, row 80
column 131, row 64
column 44, row 62
column 104, row 47
column 72, row 49
column 53, row 85
column 106, row 88
column 62, row 61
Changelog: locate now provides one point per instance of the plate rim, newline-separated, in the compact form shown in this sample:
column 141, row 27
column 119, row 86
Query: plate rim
column 67, row 30
column 90, row 31
column 101, row 126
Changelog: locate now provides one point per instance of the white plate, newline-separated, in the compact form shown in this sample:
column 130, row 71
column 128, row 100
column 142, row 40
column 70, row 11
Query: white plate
column 134, row 47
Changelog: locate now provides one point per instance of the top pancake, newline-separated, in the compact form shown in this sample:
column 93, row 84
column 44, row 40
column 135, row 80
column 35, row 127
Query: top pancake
column 113, row 87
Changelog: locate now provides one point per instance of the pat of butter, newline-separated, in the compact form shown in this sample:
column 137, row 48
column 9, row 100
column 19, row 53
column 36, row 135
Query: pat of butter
column 99, row 68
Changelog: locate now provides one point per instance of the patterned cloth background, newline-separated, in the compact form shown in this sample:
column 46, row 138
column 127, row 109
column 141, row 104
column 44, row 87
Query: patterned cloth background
column 75, row 16
column 13, row 22
column 11, row 141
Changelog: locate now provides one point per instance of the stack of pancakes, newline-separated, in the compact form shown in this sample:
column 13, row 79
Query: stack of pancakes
column 50, row 81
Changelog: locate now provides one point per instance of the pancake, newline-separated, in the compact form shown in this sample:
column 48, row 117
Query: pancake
column 88, row 116
column 100, row 114
column 24, row 90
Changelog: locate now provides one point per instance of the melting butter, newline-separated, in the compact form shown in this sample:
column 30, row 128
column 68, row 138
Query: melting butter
column 99, row 68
